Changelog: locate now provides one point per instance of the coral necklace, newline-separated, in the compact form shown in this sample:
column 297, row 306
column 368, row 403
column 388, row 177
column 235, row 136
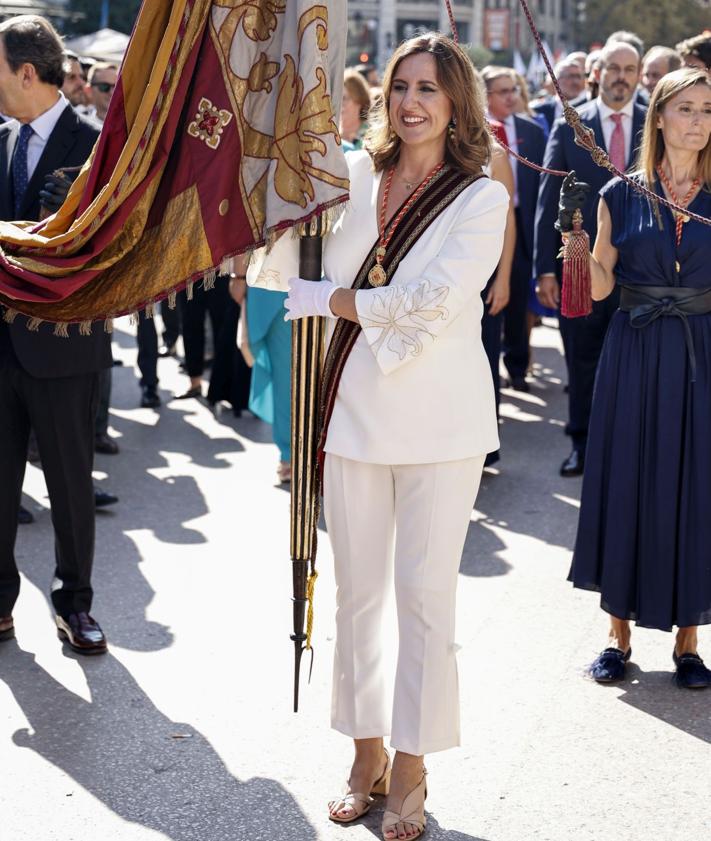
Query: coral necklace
column 377, row 275
column 681, row 218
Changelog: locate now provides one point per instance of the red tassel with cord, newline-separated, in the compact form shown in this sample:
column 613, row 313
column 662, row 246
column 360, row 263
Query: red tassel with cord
column 576, row 295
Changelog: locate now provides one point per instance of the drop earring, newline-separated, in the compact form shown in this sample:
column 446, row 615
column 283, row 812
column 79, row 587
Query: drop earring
column 452, row 128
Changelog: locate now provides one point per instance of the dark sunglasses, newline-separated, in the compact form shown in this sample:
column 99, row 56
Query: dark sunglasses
column 104, row 87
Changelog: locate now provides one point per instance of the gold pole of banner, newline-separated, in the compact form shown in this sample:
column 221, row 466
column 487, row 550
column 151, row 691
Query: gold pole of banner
column 307, row 343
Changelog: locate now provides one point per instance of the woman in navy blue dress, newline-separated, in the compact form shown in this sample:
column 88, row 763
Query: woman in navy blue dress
column 644, row 536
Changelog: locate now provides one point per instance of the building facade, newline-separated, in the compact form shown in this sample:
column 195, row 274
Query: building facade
column 377, row 26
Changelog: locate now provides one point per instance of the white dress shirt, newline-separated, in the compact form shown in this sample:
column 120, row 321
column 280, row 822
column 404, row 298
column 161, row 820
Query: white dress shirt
column 608, row 124
column 417, row 386
column 43, row 127
column 509, row 125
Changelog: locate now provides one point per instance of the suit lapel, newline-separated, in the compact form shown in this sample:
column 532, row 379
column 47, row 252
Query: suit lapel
column 595, row 124
column 53, row 156
column 6, row 200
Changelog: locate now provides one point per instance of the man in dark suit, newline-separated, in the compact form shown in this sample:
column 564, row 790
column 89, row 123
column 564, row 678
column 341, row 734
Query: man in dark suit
column 525, row 137
column 47, row 383
column 617, row 122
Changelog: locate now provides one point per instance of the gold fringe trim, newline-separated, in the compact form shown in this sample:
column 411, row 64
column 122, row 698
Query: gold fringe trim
column 189, row 290
column 208, row 281
column 10, row 315
column 310, row 586
column 61, row 330
column 109, row 325
column 150, row 310
column 33, row 324
column 133, row 319
column 85, row 328
column 172, row 300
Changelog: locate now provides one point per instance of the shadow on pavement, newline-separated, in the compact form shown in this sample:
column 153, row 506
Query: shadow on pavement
column 434, row 831
column 525, row 493
column 147, row 769
column 656, row 694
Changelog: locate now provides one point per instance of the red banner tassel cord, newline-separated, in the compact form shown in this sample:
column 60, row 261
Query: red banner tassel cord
column 576, row 295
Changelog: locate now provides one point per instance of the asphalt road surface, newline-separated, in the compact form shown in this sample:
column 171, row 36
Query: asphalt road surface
column 184, row 731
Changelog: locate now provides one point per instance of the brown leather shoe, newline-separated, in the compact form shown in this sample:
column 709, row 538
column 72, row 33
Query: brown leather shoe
column 82, row 633
column 7, row 628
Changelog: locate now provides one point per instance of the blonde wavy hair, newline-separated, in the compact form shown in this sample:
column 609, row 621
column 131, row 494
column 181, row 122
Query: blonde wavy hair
column 468, row 146
column 652, row 148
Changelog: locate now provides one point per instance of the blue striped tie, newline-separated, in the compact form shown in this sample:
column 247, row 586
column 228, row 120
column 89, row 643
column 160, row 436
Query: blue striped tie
column 19, row 167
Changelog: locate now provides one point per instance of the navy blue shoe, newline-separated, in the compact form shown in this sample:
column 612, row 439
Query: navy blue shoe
column 691, row 673
column 609, row 665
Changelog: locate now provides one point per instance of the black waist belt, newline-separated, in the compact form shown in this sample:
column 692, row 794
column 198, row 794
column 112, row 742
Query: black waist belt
column 647, row 303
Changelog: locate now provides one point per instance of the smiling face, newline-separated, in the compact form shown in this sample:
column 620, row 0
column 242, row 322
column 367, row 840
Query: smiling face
column 685, row 120
column 419, row 110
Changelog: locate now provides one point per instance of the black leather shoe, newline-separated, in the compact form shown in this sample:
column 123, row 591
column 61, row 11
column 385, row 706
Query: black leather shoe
column 609, row 665
column 150, row 398
column 193, row 391
column 691, row 673
column 82, row 633
column 520, row 384
column 25, row 517
column 103, row 498
column 574, row 464
column 105, row 445
column 7, row 628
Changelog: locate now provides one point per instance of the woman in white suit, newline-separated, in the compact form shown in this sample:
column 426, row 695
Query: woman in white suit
column 412, row 413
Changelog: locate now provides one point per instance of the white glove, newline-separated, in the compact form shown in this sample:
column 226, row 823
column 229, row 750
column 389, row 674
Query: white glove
column 309, row 297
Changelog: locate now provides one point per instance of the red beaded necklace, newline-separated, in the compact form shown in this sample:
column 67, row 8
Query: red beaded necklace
column 377, row 275
column 681, row 218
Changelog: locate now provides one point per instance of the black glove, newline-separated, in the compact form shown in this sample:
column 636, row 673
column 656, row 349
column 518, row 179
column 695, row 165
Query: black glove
column 56, row 187
column 573, row 195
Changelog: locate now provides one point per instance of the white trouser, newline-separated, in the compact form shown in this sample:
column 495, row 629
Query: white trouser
column 413, row 517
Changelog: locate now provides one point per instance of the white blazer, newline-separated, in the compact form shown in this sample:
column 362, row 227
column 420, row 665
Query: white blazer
column 417, row 386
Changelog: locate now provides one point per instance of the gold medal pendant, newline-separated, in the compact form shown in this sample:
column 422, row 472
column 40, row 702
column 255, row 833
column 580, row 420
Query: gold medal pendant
column 377, row 276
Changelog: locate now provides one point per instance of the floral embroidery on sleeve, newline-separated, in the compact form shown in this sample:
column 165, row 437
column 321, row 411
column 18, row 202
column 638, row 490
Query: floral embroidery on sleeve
column 402, row 314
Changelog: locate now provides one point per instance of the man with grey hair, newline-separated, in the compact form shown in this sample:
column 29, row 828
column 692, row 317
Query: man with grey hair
column 617, row 122
column 572, row 83
column 657, row 62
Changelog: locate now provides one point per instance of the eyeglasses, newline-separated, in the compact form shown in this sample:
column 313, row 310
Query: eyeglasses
column 104, row 87
column 516, row 90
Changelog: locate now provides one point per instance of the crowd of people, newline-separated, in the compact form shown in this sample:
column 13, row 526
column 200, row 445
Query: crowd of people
column 439, row 156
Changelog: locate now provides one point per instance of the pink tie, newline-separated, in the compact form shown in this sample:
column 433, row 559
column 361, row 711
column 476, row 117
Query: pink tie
column 617, row 143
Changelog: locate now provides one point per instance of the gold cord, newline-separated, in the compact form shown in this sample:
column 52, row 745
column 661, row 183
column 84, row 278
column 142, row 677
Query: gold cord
column 310, row 586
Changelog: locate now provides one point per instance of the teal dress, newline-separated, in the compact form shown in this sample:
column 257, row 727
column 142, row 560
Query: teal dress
column 270, row 343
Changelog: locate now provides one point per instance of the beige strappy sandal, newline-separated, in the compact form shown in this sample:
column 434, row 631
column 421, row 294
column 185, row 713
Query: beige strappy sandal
column 357, row 801
column 412, row 811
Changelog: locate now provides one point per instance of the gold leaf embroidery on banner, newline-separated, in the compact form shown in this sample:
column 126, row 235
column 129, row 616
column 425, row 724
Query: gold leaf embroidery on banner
column 261, row 73
column 258, row 17
column 209, row 123
column 301, row 120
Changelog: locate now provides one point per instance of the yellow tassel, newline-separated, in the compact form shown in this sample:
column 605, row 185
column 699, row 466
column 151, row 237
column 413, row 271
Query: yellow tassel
column 10, row 316
column 172, row 300
column 310, row 586
column 33, row 325
column 61, row 330
column 85, row 328
column 109, row 325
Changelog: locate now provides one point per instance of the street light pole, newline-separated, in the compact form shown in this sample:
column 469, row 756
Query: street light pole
column 104, row 14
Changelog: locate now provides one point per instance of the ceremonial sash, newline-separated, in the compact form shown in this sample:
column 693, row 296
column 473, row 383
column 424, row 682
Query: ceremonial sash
column 443, row 190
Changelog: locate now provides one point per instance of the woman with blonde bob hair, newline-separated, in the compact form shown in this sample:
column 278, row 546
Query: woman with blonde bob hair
column 408, row 412
column 645, row 531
